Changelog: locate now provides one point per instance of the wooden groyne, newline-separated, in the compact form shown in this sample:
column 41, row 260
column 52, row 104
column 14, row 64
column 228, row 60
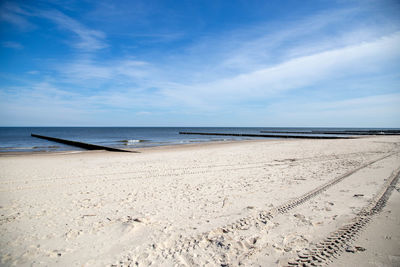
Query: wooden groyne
column 269, row 135
column 346, row 132
column 80, row 144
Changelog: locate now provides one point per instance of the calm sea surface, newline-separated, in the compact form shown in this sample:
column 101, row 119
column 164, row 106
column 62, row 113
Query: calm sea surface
column 14, row 139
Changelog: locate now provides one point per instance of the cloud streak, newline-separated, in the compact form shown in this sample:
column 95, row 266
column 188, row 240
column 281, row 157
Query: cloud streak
column 297, row 73
column 89, row 40
column 13, row 45
column 370, row 111
column 13, row 14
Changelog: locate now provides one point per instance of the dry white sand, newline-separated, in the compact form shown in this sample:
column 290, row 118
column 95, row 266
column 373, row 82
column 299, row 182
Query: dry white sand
column 194, row 205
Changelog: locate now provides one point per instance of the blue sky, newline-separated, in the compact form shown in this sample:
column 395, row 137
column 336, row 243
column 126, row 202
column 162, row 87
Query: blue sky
column 200, row 63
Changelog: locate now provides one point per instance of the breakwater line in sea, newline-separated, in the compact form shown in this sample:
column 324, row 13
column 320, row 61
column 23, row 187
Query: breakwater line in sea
column 80, row 144
column 271, row 135
column 368, row 132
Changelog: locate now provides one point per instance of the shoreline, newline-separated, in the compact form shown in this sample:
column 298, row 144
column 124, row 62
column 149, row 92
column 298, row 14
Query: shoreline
column 168, row 147
column 15, row 140
column 250, row 202
column 142, row 149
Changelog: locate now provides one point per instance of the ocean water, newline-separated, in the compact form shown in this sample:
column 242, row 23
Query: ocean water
column 13, row 139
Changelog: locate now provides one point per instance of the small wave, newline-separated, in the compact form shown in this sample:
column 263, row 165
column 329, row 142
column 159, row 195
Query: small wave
column 40, row 147
column 132, row 141
column 27, row 148
column 15, row 148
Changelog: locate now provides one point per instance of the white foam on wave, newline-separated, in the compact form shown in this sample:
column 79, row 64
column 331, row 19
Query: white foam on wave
column 132, row 141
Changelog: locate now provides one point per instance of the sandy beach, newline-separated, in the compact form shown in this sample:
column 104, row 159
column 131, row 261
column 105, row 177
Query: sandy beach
column 250, row 203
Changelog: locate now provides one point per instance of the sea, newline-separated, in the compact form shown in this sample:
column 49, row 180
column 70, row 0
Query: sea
column 19, row 139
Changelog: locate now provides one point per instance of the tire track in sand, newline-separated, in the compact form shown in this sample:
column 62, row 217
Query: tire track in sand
column 280, row 162
column 174, row 172
column 220, row 239
column 332, row 246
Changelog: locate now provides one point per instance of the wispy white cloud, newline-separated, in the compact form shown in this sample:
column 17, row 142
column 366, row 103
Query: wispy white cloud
column 19, row 15
column 89, row 39
column 254, row 47
column 143, row 113
column 33, row 72
column 63, row 107
column 83, row 70
column 13, row 45
column 370, row 111
column 94, row 73
column 55, row 106
column 13, row 14
column 296, row 73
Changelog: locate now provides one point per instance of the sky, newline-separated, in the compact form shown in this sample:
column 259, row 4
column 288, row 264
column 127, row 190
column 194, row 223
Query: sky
column 200, row 63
